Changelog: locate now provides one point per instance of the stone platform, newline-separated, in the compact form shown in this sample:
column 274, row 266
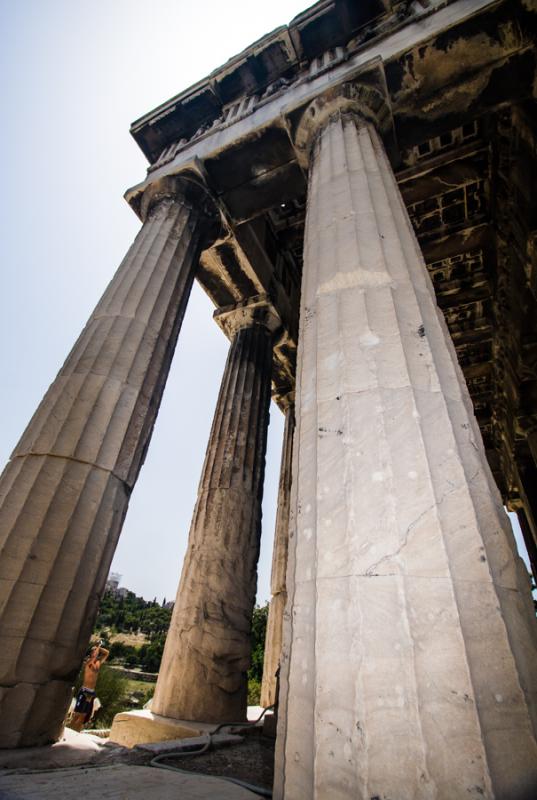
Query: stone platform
column 131, row 728
column 120, row 781
column 72, row 750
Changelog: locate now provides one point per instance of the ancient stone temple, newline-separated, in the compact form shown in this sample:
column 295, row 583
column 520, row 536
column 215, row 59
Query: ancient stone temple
column 356, row 194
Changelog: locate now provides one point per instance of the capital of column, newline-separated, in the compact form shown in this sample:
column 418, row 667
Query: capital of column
column 188, row 191
column 526, row 427
column 284, row 396
column 361, row 100
column 203, row 670
column 257, row 310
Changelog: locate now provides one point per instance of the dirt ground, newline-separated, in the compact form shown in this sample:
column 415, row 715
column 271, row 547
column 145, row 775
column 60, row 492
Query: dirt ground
column 132, row 639
column 252, row 760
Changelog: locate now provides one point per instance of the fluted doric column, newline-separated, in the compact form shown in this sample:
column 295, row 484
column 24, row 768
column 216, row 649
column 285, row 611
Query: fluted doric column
column 410, row 657
column 203, row 672
column 65, row 491
column 273, row 638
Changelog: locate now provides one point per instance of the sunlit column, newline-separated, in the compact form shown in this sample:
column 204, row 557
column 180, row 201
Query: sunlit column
column 409, row 659
column 207, row 653
column 273, row 639
column 65, row 491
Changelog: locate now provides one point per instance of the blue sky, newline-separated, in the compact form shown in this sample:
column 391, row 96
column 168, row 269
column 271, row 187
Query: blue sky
column 74, row 75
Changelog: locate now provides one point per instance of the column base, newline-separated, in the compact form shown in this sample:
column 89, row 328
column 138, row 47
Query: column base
column 130, row 728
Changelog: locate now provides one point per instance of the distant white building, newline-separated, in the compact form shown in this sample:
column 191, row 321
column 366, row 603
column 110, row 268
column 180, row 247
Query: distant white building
column 114, row 579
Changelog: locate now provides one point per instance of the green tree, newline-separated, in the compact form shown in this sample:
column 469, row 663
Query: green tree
column 131, row 614
column 151, row 654
column 112, row 693
column 257, row 638
column 118, row 651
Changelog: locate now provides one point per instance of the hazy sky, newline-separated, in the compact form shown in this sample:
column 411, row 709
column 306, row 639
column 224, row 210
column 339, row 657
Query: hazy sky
column 74, row 75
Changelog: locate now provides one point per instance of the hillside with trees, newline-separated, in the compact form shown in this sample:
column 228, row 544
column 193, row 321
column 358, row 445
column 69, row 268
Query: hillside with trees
column 134, row 631
column 130, row 614
column 122, row 614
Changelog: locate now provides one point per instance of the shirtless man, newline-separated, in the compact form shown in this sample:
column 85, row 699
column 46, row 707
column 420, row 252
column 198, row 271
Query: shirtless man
column 86, row 696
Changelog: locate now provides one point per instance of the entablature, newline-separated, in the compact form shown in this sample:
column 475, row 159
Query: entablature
column 329, row 31
column 457, row 82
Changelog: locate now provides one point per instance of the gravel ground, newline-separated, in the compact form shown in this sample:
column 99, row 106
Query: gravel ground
column 252, row 761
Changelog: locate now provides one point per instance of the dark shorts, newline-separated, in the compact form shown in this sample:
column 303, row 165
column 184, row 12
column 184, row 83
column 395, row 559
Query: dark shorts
column 84, row 703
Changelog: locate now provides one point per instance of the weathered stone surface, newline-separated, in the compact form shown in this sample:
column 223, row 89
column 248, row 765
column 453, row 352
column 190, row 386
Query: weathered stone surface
column 459, row 80
column 122, row 781
column 131, row 728
column 64, row 494
column 72, row 749
column 194, row 743
column 273, row 639
column 410, row 654
column 410, row 650
column 203, row 670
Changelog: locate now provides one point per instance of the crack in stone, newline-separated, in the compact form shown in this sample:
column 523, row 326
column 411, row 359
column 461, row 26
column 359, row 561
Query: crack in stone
column 437, row 504
column 91, row 464
column 402, row 545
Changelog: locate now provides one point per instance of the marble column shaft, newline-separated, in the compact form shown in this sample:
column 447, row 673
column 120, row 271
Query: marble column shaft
column 273, row 638
column 65, row 491
column 409, row 659
column 203, row 672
